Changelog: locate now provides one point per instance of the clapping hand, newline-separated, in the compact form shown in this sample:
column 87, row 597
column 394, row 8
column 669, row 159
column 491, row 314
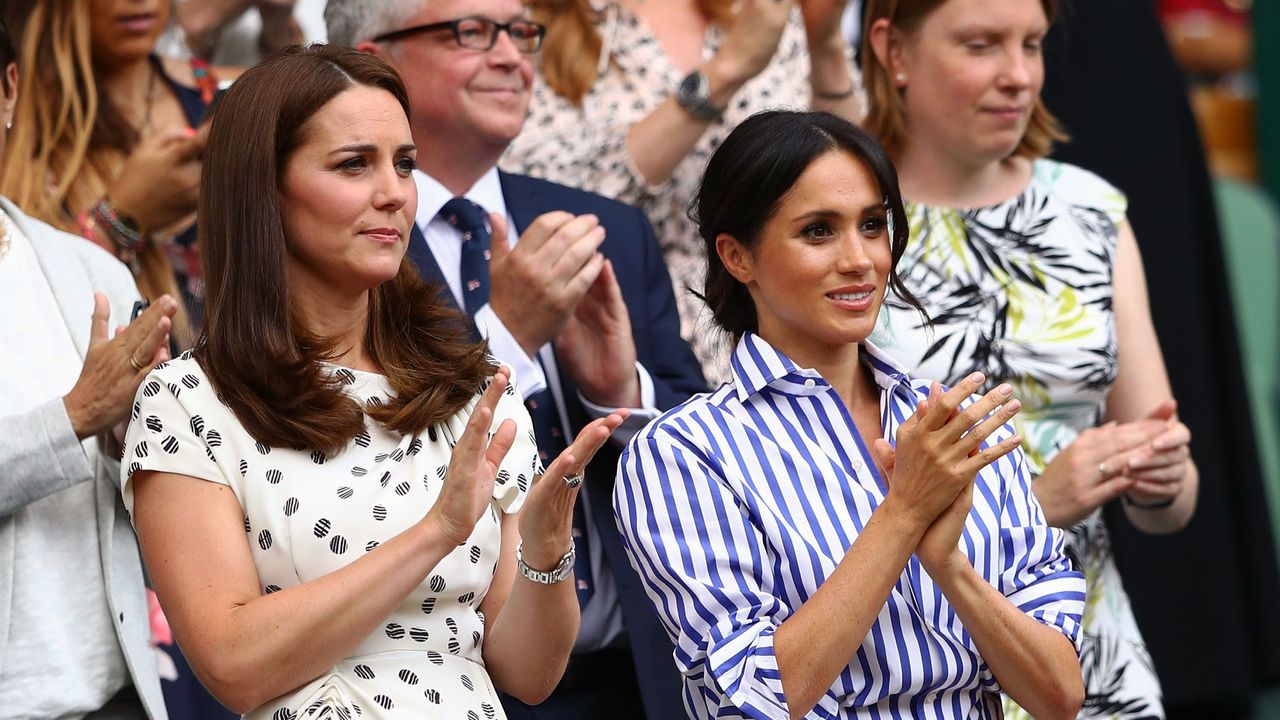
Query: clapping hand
column 473, row 466
column 160, row 182
column 822, row 20
column 115, row 366
column 547, row 515
column 595, row 346
column 536, row 285
column 941, row 450
column 1157, row 470
column 1091, row 471
column 752, row 39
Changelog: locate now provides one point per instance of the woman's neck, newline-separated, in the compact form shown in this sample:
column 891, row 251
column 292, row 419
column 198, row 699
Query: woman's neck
column 341, row 320
column 936, row 177
column 128, row 85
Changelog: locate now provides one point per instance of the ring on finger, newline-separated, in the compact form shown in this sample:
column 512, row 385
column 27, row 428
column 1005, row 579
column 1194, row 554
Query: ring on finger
column 1102, row 470
column 573, row 480
column 136, row 365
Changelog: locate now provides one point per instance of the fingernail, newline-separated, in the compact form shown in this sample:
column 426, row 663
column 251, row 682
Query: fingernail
column 1005, row 389
column 976, row 377
column 1014, row 405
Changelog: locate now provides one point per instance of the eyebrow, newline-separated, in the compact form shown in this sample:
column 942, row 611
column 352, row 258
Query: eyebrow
column 368, row 148
column 829, row 212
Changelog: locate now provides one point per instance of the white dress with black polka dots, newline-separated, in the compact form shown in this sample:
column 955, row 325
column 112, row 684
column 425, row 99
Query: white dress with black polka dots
column 307, row 515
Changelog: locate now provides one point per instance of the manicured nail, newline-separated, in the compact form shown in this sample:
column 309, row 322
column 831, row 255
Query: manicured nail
column 976, row 377
column 1005, row 389
column 1014, row 405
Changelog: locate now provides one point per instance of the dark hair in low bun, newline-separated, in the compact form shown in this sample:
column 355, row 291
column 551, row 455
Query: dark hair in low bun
column 746, row 180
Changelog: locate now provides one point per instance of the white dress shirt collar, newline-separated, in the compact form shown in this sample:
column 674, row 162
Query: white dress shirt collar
column 756, row 364
column 487, row 193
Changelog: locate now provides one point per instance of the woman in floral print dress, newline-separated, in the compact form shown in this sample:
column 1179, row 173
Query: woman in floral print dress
column 1030, row 273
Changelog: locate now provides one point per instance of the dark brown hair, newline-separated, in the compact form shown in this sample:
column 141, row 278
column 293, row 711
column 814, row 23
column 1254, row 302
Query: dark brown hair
column 884, row 101
column 262, row 360
column 753, row 170
column 8, row 56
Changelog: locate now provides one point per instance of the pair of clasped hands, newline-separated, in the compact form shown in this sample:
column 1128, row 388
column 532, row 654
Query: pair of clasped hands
column 932, row 471
column 556, row 286
column 941, row 449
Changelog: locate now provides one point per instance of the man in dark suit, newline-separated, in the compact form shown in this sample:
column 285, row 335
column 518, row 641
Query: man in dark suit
column 570, row 290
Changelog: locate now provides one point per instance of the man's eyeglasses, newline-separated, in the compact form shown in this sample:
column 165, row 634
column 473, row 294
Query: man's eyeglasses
column 478, row 33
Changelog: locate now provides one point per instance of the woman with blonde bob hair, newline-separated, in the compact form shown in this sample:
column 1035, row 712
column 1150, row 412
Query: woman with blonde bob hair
column 1032, row 276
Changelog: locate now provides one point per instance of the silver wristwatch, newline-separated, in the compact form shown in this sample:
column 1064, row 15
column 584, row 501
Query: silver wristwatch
column 549, row 577
column 694, row 95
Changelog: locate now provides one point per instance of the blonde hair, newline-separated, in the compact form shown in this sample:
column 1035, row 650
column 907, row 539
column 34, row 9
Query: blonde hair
column 571, row 50
column 63, row 152
column 885, row 118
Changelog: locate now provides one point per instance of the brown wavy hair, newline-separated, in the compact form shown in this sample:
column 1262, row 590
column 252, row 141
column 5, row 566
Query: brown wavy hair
column 69, row 142
column 570, row 54
column 263, row 360
column 885, row 117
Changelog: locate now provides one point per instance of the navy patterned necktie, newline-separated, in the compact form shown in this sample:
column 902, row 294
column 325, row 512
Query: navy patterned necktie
column 471, row 222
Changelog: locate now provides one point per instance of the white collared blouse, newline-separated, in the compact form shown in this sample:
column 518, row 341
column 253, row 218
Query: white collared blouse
column 738, row 504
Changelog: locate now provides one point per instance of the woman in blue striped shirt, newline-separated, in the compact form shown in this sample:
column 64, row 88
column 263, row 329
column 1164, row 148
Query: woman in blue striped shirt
column 825, row 536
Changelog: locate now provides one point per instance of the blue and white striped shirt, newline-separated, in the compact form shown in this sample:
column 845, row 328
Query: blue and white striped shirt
column 738, row 504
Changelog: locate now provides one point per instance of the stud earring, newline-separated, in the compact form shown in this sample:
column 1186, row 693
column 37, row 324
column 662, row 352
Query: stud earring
column 901, row 78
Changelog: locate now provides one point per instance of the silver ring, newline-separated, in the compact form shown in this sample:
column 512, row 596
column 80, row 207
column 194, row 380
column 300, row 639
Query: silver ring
column 573, row 480
column 1102, row 469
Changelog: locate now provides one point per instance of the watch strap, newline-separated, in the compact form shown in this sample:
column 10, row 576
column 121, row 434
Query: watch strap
column 559, row 573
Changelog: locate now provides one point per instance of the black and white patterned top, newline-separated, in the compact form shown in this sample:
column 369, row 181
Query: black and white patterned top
column 585, row 146
column 307, row 515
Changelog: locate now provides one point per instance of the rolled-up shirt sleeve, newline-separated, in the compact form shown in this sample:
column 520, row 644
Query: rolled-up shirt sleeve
column 1037, row 575
column 704, row 567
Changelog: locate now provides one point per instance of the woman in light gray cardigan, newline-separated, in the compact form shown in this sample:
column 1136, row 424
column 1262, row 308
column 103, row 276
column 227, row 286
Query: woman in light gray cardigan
column 74, row 625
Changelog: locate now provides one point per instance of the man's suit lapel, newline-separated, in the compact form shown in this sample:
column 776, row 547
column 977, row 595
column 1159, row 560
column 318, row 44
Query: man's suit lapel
column 420, row 254
column 521, row 199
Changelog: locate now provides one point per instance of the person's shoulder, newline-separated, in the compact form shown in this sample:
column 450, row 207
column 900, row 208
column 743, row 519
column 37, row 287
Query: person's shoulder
column 56, row 247
column 1078, row 186
column 181, row 373
column 684, row 423
column 570, row 199
column 183, row 72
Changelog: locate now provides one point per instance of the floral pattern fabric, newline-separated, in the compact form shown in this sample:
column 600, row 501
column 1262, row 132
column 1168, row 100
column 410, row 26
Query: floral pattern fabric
column 585, row 146
column 1022, row 291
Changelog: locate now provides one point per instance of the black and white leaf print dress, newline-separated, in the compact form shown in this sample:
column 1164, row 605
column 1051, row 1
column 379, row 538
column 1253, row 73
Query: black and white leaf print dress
column 307, row 515
column 1022, row 291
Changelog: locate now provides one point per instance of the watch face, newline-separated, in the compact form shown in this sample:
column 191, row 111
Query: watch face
column 689, row 86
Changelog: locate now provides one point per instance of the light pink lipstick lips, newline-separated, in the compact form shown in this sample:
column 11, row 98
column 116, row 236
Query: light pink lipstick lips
column 139, row 23
column 383, row 234
column 856, row 298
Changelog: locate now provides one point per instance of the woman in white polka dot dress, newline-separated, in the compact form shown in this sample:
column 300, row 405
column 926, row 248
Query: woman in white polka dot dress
column 328, row 490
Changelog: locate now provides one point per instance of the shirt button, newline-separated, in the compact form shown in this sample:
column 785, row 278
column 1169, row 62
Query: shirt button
column 857, row 464
column 809, row 383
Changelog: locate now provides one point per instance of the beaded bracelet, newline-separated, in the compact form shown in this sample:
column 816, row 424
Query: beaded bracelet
column 124, row 232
